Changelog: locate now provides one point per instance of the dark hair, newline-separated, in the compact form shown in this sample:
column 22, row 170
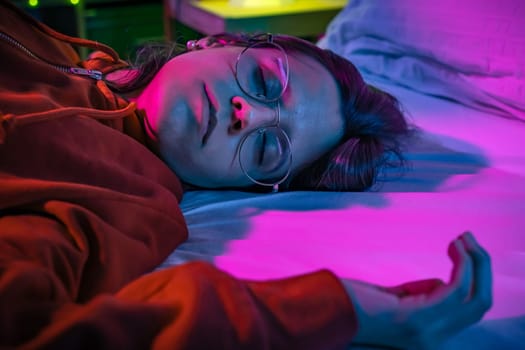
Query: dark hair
column 375, row 125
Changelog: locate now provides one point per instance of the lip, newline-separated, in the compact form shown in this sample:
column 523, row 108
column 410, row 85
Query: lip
column 209, row 118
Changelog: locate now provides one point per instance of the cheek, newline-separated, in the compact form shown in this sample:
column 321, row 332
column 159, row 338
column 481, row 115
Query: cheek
column 206, row 168
column 175, row 148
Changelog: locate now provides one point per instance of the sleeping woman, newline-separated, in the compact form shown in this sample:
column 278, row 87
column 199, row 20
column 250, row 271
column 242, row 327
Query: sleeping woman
column 270, row 111
column 94, row 156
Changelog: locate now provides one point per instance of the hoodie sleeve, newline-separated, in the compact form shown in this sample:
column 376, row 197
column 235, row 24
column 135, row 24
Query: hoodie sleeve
column 43, row 302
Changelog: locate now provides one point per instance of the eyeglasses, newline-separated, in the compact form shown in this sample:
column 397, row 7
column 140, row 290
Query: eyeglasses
column 265, row 154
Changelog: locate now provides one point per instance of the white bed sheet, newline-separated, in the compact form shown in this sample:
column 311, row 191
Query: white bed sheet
column 467, row 173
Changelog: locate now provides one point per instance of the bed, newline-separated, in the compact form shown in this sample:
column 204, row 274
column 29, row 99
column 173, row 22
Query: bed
column 458, row 71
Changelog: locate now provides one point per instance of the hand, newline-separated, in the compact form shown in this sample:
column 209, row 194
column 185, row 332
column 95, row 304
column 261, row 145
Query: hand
column 424, row 314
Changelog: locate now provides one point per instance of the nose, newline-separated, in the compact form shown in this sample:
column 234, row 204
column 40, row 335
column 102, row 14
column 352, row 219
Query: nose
column 246, row 115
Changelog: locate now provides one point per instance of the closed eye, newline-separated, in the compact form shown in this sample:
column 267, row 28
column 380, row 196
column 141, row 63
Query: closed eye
column 274, row 79
column 260, row 82
column 262, row 149
column 267, row 84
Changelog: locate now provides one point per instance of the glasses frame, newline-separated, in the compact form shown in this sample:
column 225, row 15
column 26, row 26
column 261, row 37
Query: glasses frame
column 266, row 40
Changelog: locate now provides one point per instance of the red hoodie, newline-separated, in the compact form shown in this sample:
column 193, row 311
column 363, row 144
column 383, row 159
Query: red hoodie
column 87, row 211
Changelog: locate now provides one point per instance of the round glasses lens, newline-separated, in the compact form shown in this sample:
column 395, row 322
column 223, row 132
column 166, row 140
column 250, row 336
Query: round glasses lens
column 265, row 155
column 262, row 71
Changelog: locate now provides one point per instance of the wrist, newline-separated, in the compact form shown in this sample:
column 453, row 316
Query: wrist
column 376, row 313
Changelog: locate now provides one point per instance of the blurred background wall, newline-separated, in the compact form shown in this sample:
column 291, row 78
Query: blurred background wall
column 126, row 24
column 122, row 24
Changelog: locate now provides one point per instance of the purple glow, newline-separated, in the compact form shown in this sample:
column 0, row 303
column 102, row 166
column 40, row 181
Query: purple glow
column 366, row 243
column 402, row 233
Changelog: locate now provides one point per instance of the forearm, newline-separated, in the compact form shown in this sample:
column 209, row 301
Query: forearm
column 310, row 311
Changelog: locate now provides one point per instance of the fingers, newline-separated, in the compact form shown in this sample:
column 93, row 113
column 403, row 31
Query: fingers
column 479, row 300
column 481, row 294
column 469, row 293
column 462, row 276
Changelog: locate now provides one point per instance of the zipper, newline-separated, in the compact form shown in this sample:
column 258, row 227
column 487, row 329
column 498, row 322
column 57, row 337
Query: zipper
column 91, row 73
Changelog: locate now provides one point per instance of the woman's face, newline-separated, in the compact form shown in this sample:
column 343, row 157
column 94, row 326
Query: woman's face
column 201, row 115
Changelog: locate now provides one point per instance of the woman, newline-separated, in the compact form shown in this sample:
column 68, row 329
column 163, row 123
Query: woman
column 88, row 210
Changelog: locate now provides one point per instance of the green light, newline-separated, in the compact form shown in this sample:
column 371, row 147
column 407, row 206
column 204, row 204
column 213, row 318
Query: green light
column 74, row 2
column 33, row 3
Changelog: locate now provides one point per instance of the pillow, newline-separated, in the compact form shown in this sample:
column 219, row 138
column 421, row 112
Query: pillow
column 469, row 51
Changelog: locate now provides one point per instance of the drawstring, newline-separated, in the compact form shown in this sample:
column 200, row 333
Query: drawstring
column 80, row 42
column 9, row 121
